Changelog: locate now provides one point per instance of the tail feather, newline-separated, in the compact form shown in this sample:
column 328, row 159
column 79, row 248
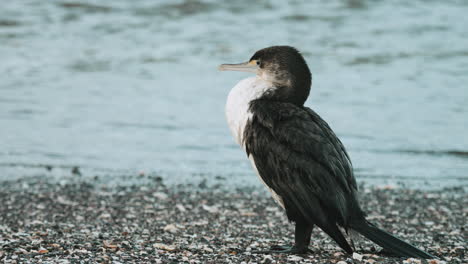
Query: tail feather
column 334, row 232
column 389, row 242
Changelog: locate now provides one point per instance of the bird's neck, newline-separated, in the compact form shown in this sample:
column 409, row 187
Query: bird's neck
column 289, row 90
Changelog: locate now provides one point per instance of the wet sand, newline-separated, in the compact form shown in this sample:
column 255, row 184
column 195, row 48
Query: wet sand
column 42, row 221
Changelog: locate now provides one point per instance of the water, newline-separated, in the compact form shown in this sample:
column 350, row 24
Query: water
column 126, row 86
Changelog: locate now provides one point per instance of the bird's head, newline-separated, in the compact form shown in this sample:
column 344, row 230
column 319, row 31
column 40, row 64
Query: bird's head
column 283, row 67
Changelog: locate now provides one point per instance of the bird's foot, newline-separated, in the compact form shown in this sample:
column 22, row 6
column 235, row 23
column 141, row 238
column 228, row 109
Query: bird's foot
column 285, row 250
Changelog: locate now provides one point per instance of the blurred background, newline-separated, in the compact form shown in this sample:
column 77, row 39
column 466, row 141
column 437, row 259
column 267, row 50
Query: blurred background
column 119, row 88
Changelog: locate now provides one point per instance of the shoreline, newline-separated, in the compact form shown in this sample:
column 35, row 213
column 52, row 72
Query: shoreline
column 43, row 221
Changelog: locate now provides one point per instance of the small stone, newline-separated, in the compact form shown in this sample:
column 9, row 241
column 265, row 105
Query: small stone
column 338, row 254
column 341, row 262
column 171, row 228
column 200, row 223
column 160, row 195
column 65, row 201
column 412, row 260
column 357, row 256
column 211, row 209
column 180, row 207
column 207, row 249
column 42, row 251
column 21, row 251
column 294, row 258
column 248, row 213
column 111, row 246
column 164, row 247
column 436, row 261
column 104, row 215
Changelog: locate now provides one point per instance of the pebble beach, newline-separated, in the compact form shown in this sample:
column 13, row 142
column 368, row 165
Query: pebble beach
column 45, row 221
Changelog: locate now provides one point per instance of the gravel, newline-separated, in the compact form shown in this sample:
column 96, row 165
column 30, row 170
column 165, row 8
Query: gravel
column 42, row 221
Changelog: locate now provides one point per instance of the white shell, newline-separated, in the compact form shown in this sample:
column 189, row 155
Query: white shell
column 237, row 113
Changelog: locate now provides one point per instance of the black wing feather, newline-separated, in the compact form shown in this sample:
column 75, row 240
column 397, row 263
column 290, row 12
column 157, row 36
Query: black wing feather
column 301, row 159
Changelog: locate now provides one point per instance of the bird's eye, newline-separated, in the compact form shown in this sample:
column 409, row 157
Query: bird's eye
column 254, row 62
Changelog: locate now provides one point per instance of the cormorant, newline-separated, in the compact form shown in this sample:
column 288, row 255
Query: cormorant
column 297, row 155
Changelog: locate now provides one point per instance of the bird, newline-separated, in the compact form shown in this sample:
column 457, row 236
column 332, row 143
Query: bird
column 297, row 155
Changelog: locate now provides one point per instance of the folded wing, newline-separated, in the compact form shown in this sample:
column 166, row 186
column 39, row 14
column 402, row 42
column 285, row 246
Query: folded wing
column 301, row 159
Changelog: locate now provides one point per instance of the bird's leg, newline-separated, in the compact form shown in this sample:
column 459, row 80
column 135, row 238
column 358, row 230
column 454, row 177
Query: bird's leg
column 302, row 235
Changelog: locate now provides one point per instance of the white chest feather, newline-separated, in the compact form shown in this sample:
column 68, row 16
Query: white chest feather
column 237, row 105
column 237, row 113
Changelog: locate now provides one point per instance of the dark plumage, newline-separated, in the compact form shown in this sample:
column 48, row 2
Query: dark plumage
column 294, row 82
column 301, row 159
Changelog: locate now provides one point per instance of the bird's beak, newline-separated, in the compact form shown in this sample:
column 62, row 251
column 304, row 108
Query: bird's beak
column 250, row 66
